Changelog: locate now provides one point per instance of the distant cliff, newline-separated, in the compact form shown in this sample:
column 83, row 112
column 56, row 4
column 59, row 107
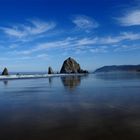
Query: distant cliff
column 128, row 68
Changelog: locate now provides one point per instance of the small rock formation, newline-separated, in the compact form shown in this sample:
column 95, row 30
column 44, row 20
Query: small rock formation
column 5, row 72
column 50, row 70
column 71, row 66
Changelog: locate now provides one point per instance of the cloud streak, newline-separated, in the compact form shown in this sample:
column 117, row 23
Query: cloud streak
column 34, row 27
column 130, row 18
column 84, row 22
column 92, row 44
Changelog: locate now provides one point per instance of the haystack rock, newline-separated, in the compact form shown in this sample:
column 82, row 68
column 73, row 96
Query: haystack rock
column 50, row 70
column 71, row 66
column 5, row 72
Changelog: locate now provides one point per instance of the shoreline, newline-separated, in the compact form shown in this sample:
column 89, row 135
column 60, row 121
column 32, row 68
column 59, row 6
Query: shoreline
column 36, row 76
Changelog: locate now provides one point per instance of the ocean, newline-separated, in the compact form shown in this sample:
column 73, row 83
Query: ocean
column 103, row 106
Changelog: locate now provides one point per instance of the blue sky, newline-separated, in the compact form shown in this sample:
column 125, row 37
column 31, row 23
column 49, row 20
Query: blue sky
column 35, row 34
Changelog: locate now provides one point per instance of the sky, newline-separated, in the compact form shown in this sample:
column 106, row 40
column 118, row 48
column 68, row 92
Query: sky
column 36, row 34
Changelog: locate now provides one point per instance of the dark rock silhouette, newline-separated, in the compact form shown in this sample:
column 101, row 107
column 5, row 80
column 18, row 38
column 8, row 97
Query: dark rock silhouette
column 71, row 66
column 50, row 70
column 5, row 72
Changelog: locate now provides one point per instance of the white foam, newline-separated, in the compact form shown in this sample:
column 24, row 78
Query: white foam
column 22, row 76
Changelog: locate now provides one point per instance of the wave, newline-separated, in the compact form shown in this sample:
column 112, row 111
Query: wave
column 30, row 76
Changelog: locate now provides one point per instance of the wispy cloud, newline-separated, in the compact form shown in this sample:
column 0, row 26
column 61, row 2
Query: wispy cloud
column 106, row 40
column 39, row 27
column 15, row 58
column 13, row 31
column 68, row 42
column 116, row 39
column 45, row 45
column 124, row 48
column 18, row 56
column 84, row 22
column 86, row 41
column 34, row 27
column 99, row 50
column 94, row 44
column 130, row 18
column 42, row 56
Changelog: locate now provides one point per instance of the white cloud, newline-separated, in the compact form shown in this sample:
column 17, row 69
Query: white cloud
column 39, row 27
column 130, row 36
column 68, row 42
column 46, row 45
column 35, row 27
column 14, row 31
column 98, row 50
column 84, row 22
column 109, row 40
column 22, row 52
column 87, row 41
column 116, row 39
column 95, row 44
column 131, row 18
column 15, row 58
column 42, row 56
column 127, row 48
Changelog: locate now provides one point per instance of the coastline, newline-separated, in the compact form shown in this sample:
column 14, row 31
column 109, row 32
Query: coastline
column 36, row 76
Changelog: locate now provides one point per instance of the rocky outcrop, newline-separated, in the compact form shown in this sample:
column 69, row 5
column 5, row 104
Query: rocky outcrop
column 50, row 70
column 71, row 66
column 5, row 72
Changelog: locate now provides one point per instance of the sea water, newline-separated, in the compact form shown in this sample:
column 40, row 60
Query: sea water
column 88, row 107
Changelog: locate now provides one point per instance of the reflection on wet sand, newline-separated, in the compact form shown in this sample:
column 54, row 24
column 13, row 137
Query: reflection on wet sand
column 32, row 110
column 5, row 82
column 58, row 121
column 50, row 81
column 71, row 82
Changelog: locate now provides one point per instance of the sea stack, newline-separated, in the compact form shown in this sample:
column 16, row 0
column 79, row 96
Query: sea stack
column 71, row 66
column 5, row 72
column 50, row 70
